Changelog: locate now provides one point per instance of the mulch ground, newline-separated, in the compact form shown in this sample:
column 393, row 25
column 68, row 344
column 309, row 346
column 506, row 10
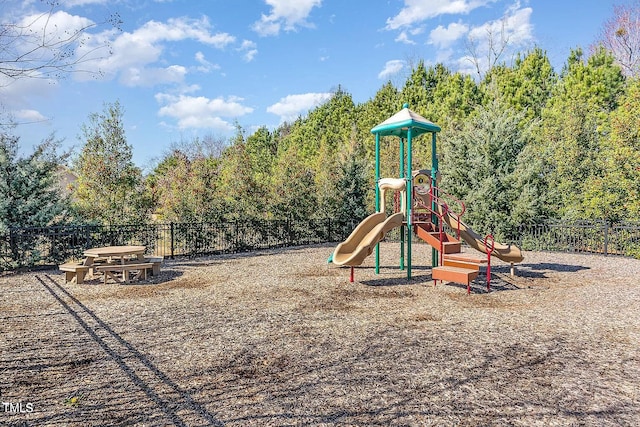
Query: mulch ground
column 279, row 338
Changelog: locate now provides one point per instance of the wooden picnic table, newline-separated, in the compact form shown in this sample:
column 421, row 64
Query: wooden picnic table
column 110, row 260
column 131, row 258
column 121, row 252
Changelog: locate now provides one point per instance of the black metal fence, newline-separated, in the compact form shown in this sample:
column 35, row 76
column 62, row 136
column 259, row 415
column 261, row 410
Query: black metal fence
column 582, row 236
column 27, row 247
column 31, row 246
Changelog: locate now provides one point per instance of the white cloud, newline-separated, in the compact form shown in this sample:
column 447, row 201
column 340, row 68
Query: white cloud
column 391, row 67
column 415, row 11
column 19, row 94
column 205, row 66
column 292, row 106
column 443, row 56
column 444, row 37
column 515, row 26
column 285, row 14
column 199, row 112
column 404, row 38
column 29, row 116
column 176, row 29
column 134, row 52
column 250, row 50
column 151, row 76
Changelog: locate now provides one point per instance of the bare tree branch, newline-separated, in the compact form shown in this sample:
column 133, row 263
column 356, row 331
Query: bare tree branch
column 495, row 46
column 621, row 36
column 37, row 47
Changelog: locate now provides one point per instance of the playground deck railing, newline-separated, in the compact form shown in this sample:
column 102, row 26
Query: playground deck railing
column 36, row 246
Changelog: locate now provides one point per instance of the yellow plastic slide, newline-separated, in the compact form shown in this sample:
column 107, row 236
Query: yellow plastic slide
column 364, row 237
column 507, row 253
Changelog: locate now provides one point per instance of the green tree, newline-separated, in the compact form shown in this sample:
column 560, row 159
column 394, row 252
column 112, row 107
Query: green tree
column 614, row 194
column 293, row 193
column 184, row 187
column 575, row 122
column 527, row 86
column 109, row 184
column 237, row 186
column 334, row 121
column 30, row 194
column 445, row 98
column 479, row 165
column 261, row 150
column 352, row 188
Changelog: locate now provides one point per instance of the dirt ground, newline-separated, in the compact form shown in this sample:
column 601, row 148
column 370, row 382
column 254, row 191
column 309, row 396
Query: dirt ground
column 281, row 338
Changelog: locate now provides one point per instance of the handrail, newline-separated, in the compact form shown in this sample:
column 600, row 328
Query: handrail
column 490, row 249
column 439, row 198
column 437, row 195
column 440, row 230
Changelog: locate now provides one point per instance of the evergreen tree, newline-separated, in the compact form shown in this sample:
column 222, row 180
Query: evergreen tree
column 614, row 194
column 30, row 194
column 352, row 187
column 527, row 86
column 479, row 167
column 293, row 193
column 574, row 125
column 237, row 184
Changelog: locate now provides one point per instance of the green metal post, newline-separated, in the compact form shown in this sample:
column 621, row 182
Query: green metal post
column 377, row 196
column 434, row 174
column 408, row 205
column 402, row 228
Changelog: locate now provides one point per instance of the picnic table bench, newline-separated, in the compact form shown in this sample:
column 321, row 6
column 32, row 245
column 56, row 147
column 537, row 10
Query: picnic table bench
column 126, row 269
column 74, row 271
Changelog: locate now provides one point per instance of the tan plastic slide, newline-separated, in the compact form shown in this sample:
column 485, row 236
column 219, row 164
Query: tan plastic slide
column 364, row 237
column 507, row 253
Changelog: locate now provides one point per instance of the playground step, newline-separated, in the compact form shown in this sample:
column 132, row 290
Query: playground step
column 471, row 258
column 448, row 245
column 461, row 264
column 452, row 247
column 454, row 274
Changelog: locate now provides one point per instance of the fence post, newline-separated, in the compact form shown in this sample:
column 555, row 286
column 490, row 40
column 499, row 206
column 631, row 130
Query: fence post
column 173, row 242
column 236, row 238
column 606, row 238
column 329, row 230
column 12, row 245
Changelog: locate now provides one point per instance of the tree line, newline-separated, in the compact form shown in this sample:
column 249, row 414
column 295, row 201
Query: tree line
column 522, row 146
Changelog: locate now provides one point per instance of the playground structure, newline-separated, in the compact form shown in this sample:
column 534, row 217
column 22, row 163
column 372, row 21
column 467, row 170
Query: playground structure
column 423, row 210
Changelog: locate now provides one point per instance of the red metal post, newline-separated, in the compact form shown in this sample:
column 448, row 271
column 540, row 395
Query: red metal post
column 351, row 276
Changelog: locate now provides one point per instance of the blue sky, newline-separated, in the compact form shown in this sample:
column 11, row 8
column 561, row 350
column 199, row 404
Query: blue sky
column 182, row 69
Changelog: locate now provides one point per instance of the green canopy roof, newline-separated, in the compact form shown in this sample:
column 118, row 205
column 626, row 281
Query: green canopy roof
column 399, row 124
